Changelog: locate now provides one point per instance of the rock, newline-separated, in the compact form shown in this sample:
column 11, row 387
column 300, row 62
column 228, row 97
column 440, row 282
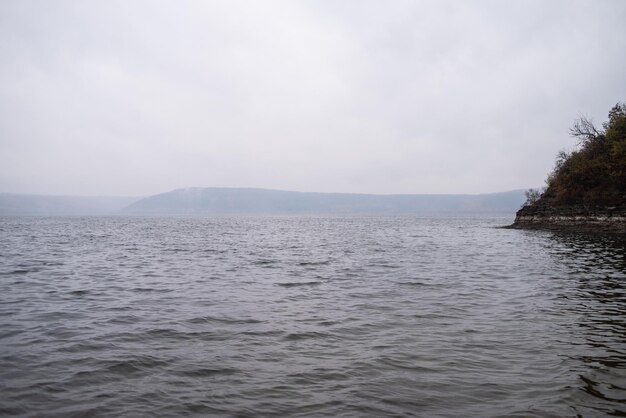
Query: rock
column 573, row 217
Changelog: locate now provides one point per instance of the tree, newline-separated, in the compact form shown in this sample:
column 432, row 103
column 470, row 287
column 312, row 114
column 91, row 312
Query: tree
column 585, row 131
column 617, row 113
column 595, row 173
column 532, row 196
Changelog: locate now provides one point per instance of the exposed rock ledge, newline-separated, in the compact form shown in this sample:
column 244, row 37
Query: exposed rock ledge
column 573, row 218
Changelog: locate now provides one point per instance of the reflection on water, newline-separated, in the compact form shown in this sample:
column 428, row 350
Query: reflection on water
column 594, row 298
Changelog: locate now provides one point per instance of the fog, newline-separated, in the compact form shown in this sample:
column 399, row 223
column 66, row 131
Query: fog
column 135, row 98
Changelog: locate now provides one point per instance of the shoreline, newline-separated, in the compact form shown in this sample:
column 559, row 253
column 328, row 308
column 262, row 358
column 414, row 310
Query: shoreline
column 566, row 219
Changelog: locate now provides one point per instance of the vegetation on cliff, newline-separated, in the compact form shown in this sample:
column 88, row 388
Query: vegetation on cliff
column 593, row 175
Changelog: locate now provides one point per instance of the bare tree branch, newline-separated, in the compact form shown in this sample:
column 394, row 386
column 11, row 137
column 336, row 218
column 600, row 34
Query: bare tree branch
column 584, row 130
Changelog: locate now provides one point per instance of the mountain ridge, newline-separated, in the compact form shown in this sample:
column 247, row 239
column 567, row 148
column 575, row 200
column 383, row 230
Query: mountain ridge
column 18, row 204
column 226, row 200
column 248, row 200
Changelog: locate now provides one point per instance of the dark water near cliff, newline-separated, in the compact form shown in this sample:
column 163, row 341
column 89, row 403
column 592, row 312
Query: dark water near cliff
column 304, row 316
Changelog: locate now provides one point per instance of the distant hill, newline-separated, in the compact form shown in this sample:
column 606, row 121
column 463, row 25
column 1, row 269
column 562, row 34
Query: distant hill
column 42, row 205
column 263, row 201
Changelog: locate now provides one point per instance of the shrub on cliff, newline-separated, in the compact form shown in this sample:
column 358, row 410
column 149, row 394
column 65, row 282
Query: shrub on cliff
column 532, row 196
column 594, row 175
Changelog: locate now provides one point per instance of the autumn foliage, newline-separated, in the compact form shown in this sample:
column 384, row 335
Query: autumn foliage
column 594, row 175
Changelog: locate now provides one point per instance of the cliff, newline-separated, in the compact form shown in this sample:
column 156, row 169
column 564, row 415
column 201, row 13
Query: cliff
column 587, row 189
column 545, row 215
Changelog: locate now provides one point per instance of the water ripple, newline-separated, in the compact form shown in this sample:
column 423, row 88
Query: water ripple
column 309, row 316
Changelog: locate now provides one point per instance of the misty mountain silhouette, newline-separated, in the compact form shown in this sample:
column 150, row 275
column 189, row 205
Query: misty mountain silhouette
column 218, row 200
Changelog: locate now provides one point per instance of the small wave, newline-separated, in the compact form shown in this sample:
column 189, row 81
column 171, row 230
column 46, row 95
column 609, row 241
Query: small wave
column 12, row 410
column 150, row 289
column 133, row 366
column 18, row 271
column 314, row 263
column 264, row 262
column 124, row 319
column 207, row 372
column 296, row 336
column 384, row 265
column 176, row 250
column 84, row 347
column 165, row 333
column 297, row 284
column 223, row 320
column 271, row 333
column 415, row 284
column 328, row 323
column 317, row 375
column 12, row 333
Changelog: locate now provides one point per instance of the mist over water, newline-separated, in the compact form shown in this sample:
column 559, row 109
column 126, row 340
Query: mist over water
column 309, row 316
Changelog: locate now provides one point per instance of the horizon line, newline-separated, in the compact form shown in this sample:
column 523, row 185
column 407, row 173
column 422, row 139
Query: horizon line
column 255, row 188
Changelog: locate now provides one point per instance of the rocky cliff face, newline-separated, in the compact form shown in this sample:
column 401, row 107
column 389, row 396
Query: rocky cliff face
column 544, row 215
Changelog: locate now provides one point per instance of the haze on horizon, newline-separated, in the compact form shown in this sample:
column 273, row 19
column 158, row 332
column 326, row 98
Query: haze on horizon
column 142, row 97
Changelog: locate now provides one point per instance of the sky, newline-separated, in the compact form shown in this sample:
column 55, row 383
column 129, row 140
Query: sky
column 141, row 97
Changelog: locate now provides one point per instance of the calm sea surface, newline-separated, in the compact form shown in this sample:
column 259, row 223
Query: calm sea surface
column 309, row 316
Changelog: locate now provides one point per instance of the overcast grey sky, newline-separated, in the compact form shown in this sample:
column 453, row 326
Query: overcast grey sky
column 141, row 97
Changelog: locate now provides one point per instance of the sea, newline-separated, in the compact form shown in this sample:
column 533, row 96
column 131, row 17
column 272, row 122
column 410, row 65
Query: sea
column 309, row 316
